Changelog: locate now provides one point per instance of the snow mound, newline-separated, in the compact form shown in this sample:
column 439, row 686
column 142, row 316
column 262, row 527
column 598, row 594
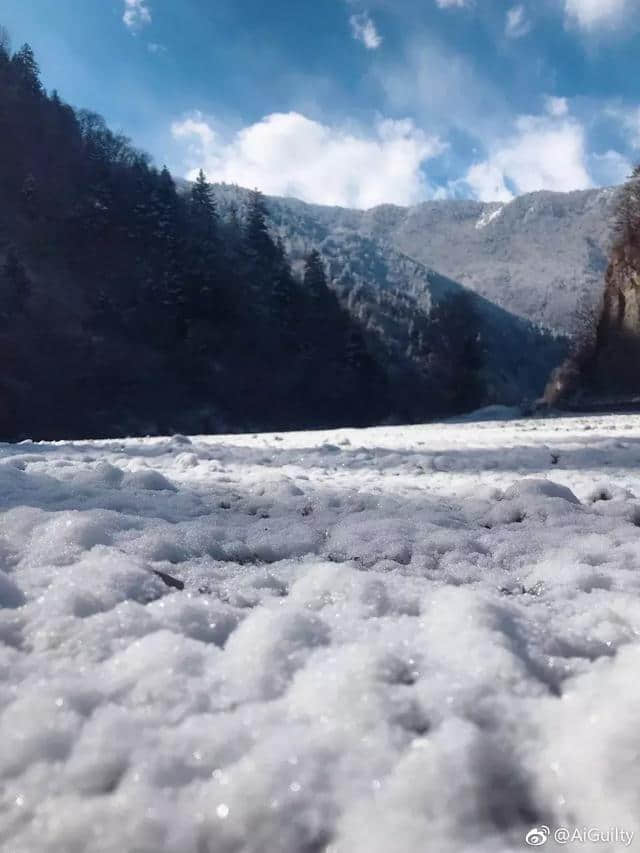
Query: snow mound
column 534, row 488
column 151, row 480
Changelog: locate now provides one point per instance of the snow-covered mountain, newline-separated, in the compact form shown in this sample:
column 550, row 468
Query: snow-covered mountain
column 394, row 296
column 541, row 256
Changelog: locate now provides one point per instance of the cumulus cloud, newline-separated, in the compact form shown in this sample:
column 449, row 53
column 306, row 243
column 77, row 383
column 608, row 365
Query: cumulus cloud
column 591, row 14
column 137, row 14
column 364, row 30
column 517, row 24
column 290, row 154
column 544, row 152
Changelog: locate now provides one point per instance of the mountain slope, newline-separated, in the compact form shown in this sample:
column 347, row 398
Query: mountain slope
column 542, row 256
column 415, row 316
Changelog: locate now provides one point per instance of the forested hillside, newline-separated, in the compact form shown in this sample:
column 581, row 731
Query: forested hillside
column 127, row 306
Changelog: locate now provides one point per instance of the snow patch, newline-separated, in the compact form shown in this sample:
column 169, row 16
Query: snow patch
column 487, row 217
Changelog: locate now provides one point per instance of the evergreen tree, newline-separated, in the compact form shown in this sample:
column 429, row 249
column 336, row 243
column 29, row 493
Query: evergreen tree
column 203, row 208
column 458, row 355
column 5, row 47
column 627, row 213
column 315, row 276
column 257, row 235
column 15, row 287
column 27, row 70
column 203, row 250
column 29, row 196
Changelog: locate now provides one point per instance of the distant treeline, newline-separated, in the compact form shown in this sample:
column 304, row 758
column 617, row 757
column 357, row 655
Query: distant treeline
column 127, row 306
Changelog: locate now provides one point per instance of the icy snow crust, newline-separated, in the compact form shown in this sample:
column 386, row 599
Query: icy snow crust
column 391, row 640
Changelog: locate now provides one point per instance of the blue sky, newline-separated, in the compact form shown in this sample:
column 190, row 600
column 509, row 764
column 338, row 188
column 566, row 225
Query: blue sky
column 343, row 102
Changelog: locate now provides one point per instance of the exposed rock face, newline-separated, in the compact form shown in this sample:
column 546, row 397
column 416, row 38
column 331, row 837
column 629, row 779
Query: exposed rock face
column 604, row 369
column 616, row 364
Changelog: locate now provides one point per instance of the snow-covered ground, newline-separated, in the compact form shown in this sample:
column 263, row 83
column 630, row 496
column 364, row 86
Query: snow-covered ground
column 388, row 641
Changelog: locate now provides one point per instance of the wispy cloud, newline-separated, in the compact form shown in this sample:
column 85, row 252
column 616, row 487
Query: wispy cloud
column 364, row 30
column 627, row 117
column 517, row 23
column 592, row 14
column 610, row 168
column 290, row 154
column 449, row 4
column 155, row 48
column 136, row 15
column 442, row 88
column 555, row 106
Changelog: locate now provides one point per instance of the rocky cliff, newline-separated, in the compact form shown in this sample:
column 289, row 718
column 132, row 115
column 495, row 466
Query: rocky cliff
column 604, row 368
column 616, row 363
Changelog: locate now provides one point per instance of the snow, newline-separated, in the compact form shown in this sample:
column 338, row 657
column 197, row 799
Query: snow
column 487, row 217
column 388, row 640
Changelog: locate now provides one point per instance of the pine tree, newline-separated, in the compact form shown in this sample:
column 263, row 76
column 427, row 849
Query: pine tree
column 28, row 195
column 315, row 277
column 28, row 71
column 165, row 218
column 15, row 292
column 203, row 207
column 257, row 234
column 5, row 47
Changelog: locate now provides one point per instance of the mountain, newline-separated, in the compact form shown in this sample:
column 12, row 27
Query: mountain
column 127, row 306
column 403, row 300
column 541, row 257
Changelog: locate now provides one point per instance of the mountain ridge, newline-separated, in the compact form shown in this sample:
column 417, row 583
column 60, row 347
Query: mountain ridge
column 541, row 256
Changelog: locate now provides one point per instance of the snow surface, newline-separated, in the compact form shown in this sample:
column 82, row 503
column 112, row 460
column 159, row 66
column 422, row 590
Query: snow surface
column 390, row 640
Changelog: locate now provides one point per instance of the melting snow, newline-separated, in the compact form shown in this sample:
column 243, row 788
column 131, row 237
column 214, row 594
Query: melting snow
column 388, row 640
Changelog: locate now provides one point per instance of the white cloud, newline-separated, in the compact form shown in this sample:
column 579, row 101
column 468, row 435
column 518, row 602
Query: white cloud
column 545, row 152
column 137, row 14
column 556, row 107
column 517, row 24
column 154, row 47
column 487, row 182
column 364, row 30
column 289, row 154
column 593, row 14
column 448, row 4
